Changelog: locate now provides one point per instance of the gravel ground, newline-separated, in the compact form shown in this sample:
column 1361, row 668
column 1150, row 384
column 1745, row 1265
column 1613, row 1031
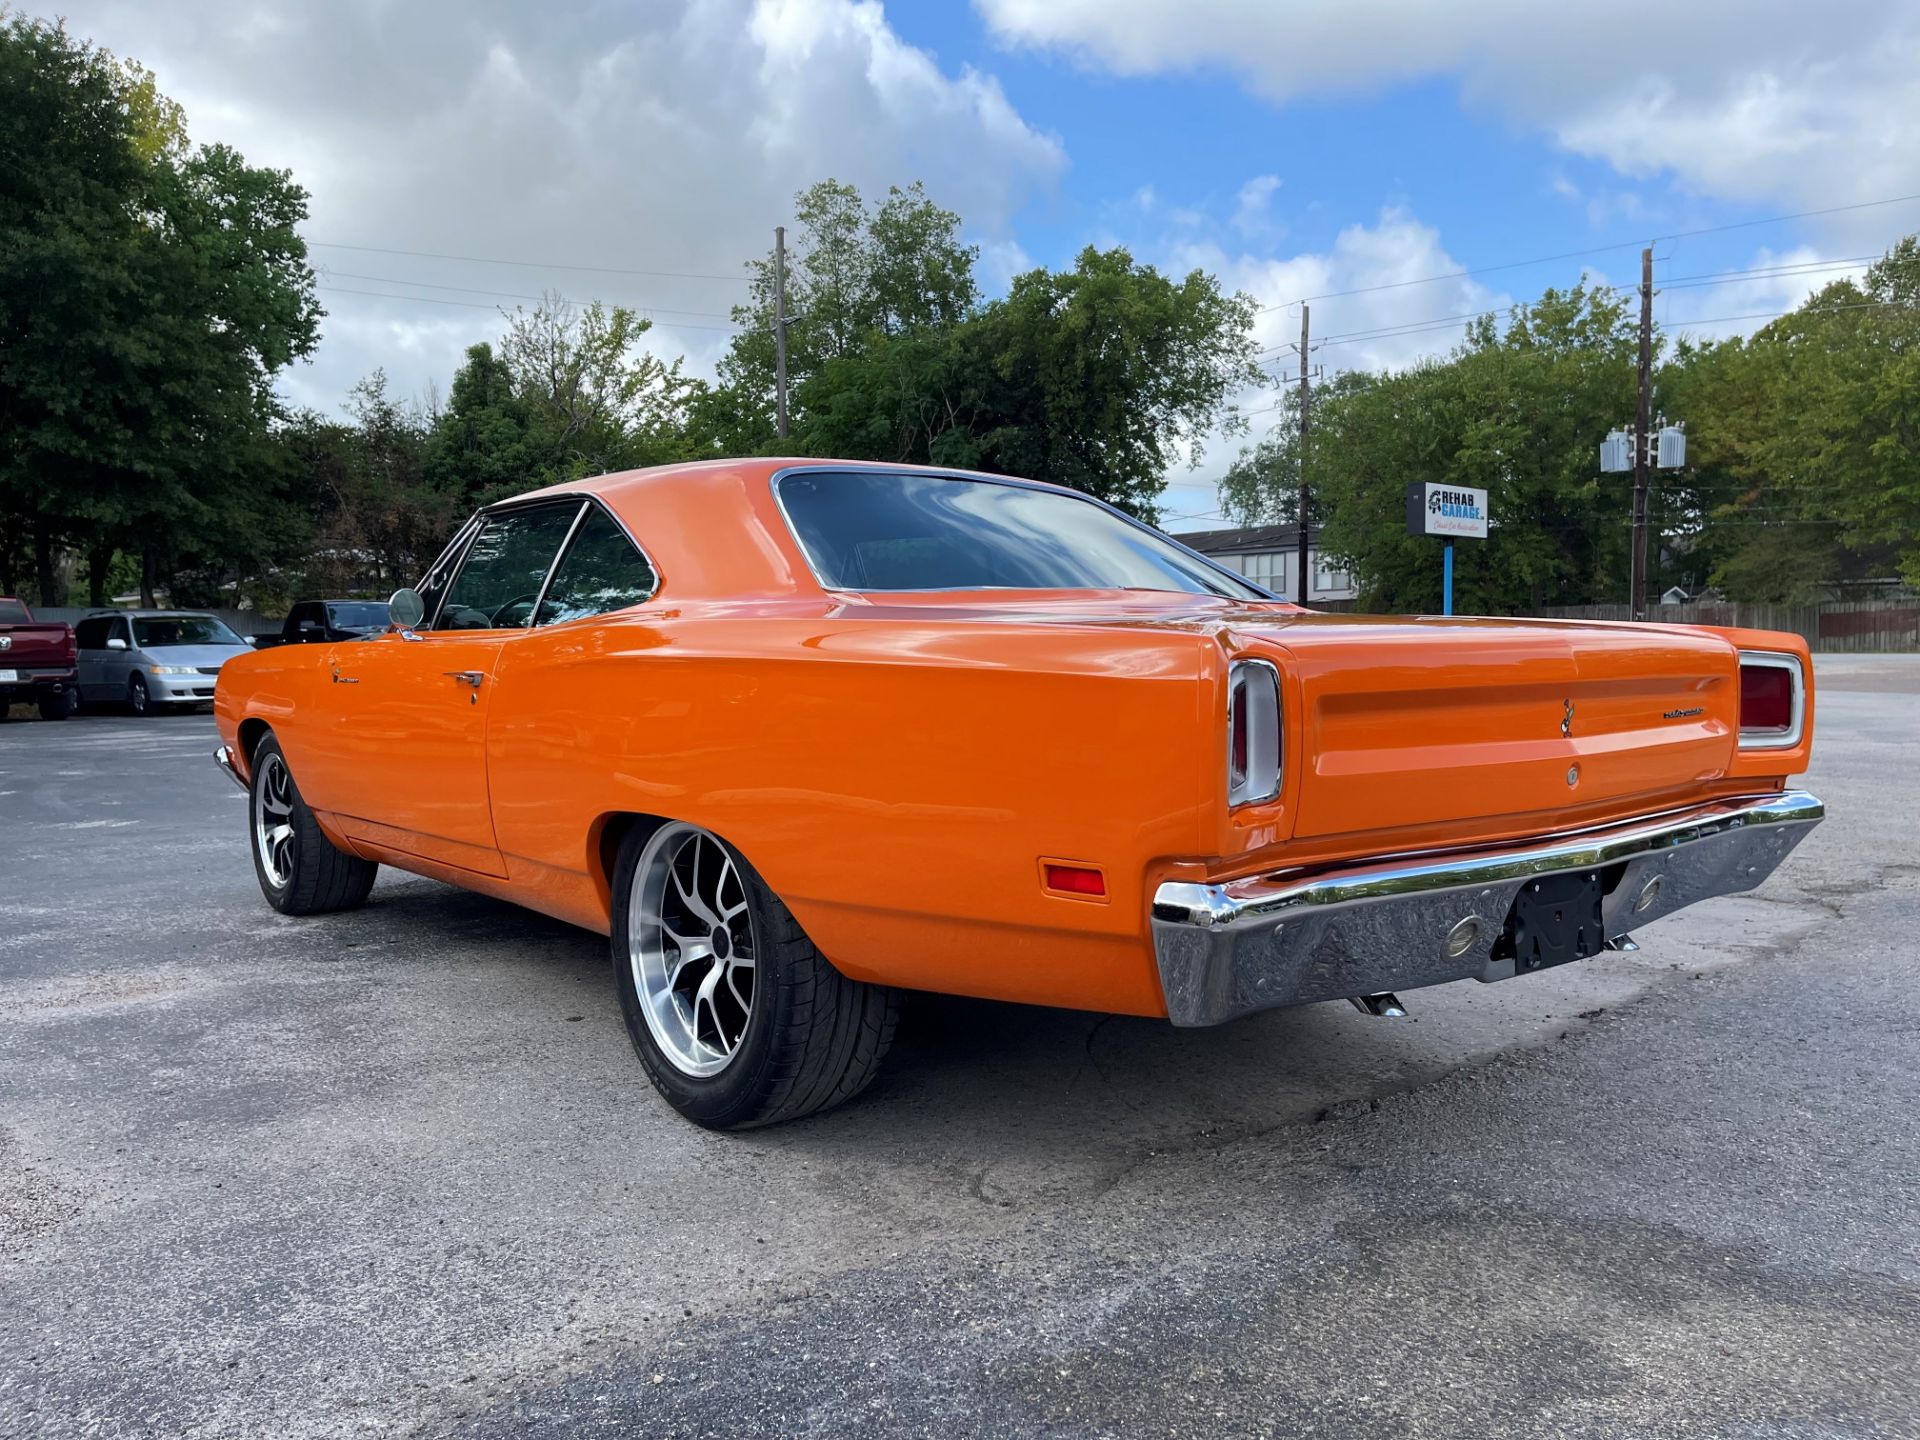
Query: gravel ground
column 398, row 1172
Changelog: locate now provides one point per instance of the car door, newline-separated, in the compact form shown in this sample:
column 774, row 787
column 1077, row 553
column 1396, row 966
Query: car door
column 407, row 755
column 116, row 662
column 90, row 643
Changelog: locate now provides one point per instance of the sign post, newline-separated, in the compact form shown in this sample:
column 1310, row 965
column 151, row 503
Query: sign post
column 1448, row 511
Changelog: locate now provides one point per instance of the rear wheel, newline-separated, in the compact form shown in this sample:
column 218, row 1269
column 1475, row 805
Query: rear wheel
column 59, row 705
column 738, row 1019
column 301, row 872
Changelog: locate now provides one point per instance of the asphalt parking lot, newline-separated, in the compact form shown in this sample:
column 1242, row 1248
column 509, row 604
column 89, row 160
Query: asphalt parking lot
column 398, row 1171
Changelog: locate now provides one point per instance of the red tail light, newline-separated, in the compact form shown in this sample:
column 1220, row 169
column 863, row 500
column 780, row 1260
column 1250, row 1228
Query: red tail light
column 1772, row 699
column 1253, row 732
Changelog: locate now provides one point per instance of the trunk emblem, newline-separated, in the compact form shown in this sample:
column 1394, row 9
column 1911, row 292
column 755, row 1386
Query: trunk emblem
column 1566, row 721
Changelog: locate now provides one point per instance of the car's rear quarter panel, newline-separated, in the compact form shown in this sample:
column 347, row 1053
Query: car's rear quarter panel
column 897, row 784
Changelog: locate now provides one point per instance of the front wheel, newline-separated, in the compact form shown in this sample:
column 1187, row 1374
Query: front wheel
column 300, row 870
column 738, row 1019
column 139, row 700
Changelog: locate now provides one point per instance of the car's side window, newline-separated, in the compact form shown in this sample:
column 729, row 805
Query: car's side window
column 602, row 571
column 500, row 578
column 91, row 634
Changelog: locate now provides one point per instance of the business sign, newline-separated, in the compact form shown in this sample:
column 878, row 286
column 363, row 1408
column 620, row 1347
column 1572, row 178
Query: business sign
column 1446, row 510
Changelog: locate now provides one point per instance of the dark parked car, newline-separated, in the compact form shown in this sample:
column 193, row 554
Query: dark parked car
column 36, row 662
column 315, row 622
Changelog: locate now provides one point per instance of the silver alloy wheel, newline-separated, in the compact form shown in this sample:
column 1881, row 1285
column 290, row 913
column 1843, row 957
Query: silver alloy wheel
column 137, row 698
column 692, row 946
column 273, row 819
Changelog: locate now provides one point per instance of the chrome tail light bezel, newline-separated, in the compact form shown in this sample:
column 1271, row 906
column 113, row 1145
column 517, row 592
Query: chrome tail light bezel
column 1773, row 737
column 1253, row 702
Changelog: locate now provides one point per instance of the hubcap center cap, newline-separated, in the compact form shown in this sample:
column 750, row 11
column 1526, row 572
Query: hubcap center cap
column 722, row 942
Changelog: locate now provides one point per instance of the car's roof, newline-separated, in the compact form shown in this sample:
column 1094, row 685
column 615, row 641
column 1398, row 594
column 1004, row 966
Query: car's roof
column 623, row 482
column 153, row 614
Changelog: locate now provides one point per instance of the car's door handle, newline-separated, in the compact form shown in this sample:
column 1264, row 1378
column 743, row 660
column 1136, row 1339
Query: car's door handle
column 466, row 677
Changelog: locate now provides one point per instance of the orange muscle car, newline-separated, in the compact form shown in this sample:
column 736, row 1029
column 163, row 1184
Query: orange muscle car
column 796, row 734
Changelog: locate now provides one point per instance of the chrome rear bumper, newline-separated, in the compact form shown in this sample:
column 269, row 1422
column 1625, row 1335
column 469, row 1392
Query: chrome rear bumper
column 1292, row 937
column 223, row 757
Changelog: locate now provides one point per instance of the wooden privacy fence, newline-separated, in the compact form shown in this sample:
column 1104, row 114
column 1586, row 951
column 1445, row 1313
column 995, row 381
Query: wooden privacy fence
column 1840, row 626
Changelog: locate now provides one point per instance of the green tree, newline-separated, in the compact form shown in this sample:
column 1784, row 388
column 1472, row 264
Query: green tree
column 1094, row 377
column 149, row 292
column 856, row 275
column 568, row 392
column 1517, row 410
column 1807, row 434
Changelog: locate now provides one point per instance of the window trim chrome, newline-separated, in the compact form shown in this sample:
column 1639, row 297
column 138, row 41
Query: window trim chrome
column 941, row 472
column 463, row 539
column 1797, row 725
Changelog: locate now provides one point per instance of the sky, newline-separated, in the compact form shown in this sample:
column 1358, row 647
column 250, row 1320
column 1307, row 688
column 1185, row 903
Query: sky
column 1395, row 167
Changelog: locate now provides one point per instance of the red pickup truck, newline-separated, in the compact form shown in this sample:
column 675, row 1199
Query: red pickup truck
column 39, row 663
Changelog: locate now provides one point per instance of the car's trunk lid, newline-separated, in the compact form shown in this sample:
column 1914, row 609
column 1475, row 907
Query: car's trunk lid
column 1410, row 722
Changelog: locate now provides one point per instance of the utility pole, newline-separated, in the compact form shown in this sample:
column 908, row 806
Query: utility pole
column 1642, row 468
column 780, row 332
column 1300, row 590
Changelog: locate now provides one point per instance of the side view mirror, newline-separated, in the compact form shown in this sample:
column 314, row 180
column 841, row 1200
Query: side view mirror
column 114, row 642
column 406, row 609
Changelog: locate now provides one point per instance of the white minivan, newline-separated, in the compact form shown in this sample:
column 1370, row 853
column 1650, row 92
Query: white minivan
column 150, row 659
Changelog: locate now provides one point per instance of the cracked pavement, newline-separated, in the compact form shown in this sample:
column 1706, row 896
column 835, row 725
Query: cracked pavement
column 397, row 1172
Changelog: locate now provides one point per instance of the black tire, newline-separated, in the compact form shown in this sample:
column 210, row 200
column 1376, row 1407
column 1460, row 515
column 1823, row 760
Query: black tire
column 319, row 877
column 59, row 705
column 813, row 1039
column 139, row 699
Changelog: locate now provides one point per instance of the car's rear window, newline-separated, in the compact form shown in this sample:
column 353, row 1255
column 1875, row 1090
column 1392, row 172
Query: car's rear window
column 884, row 530
column 12, row 612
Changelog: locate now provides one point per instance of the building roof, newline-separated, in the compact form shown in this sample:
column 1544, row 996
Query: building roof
column 1247, row 539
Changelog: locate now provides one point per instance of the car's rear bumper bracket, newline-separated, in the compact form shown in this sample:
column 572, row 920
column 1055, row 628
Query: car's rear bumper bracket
column 1295, row 936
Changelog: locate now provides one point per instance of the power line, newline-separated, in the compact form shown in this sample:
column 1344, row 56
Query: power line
column 527, row 264
column 476, row 305
column 1593, row 250
column 508, row 294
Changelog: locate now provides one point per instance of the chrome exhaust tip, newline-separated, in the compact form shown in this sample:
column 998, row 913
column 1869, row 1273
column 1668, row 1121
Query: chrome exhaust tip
column 1382, row 1004
column 1623, row 942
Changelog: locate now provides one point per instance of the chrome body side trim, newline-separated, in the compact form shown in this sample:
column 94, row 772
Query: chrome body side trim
column 1290, row 938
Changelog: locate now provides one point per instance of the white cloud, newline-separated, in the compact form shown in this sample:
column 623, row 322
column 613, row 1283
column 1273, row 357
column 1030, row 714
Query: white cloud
column 661, row 138
column 1253, row 215
column 1374, row 304
column 1744, row 99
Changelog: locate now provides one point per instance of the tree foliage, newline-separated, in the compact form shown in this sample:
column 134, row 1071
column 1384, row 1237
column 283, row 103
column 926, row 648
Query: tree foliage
column 1802, row 449
column 149, row 292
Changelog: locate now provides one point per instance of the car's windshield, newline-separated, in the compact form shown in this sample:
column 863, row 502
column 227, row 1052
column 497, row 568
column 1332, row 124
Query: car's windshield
column 881, row 530
column 164, row 630
column 358, row 615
